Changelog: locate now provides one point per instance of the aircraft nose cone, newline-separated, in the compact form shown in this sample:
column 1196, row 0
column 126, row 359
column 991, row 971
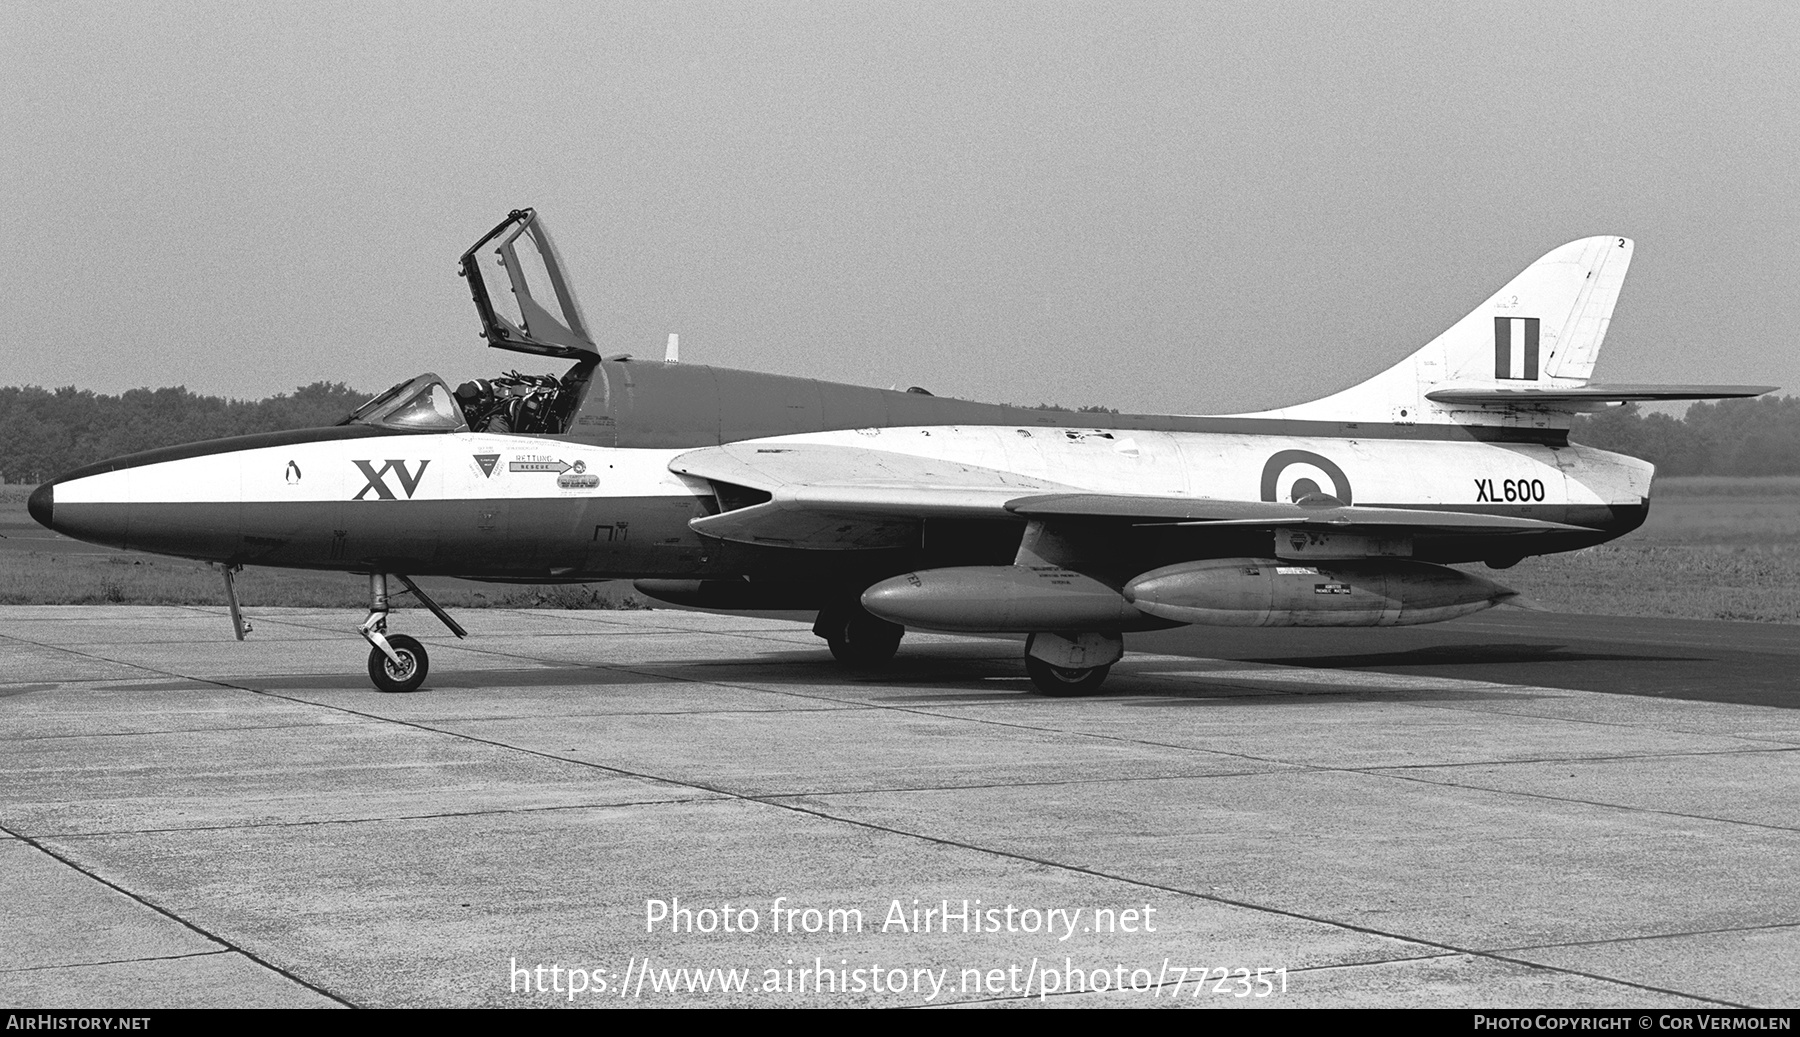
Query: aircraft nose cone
column 41, row 504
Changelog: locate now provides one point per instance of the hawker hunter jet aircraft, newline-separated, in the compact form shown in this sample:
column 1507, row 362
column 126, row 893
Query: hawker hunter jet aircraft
column 884, row 510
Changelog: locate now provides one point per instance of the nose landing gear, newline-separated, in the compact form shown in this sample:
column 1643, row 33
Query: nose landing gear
column 398, row 663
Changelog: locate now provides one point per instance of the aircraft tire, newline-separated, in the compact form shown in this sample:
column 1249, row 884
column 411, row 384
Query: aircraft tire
column 866, row 641
column 1064, row 682
column 402, row 678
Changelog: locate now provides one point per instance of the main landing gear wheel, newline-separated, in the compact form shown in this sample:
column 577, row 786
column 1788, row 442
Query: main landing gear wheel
column 1065, row 682
column 857, row 638
column 866, row 641
column 405, row 675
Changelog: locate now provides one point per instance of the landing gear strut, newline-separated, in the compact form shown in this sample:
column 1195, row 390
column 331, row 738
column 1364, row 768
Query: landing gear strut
column 398, row 663
column 239, row 624
column 856, row 637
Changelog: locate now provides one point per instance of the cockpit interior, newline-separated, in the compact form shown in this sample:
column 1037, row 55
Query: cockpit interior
column 512, row 402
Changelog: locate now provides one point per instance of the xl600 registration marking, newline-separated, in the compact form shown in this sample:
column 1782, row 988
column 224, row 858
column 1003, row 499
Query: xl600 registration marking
column 1509, row 490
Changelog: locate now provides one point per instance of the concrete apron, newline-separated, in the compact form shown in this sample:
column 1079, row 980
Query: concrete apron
column 624, row 808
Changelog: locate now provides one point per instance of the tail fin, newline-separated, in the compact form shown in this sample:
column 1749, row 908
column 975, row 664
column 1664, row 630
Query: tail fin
column 1542, row 331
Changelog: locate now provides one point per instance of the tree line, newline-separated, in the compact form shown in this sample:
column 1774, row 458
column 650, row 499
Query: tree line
column 1730, row 437
column 44, row 432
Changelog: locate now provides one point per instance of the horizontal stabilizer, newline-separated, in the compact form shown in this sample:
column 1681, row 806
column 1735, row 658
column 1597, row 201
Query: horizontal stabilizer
column 1580, row 395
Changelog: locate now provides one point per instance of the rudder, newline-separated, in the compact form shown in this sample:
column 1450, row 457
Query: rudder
column 1547, row 324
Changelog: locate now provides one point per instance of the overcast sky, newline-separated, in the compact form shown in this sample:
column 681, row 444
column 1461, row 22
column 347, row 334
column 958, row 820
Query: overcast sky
column 1185, row 207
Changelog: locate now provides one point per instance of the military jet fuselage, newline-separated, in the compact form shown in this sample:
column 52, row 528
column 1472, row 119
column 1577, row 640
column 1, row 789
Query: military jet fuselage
column 886, row 509
column 601, row 502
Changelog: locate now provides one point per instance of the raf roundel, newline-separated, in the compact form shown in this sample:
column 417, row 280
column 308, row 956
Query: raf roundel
column 1293, row 475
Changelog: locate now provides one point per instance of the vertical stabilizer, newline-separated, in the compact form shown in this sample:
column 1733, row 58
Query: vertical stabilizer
column 1542, row 331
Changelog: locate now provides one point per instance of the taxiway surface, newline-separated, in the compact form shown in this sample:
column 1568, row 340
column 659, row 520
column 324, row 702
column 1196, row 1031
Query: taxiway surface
column 1536, row 811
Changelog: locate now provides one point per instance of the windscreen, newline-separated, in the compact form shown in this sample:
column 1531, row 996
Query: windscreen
column 422, row 403
column 430, row 407
column 376, row 403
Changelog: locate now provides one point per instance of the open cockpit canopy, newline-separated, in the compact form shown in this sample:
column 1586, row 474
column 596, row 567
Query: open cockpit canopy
column 538, row 313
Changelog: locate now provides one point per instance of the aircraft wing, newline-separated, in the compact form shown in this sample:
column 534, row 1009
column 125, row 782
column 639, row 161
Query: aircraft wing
column 849, row 498
column 1200, row 511
column 843, row 498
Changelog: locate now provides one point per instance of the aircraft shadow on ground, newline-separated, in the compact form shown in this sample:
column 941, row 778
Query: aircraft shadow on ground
column 26, row 689
column 934, row 679
column 957, row 684
column 1201, row 694
column 1467, row 655
column 798, row 669
column 450, row 679
column 955, row 678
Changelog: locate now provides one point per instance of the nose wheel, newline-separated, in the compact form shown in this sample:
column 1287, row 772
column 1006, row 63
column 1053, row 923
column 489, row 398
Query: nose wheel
column 404, row 671
column 397, row 663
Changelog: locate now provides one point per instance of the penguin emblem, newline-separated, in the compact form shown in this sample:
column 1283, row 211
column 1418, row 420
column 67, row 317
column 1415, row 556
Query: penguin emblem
column 293, row 474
